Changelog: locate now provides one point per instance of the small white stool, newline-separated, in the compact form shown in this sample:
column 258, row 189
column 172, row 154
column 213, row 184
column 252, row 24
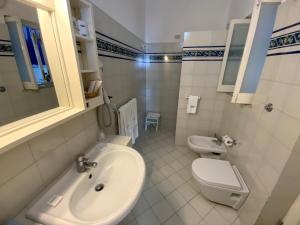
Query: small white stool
column 152, row 118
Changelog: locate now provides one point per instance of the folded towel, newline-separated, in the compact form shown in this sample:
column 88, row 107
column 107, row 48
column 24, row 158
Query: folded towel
column 192, row 104
column 153, row 115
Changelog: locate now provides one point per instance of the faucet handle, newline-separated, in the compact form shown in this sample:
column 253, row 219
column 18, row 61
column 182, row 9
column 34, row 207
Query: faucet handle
column 81, row 157
column 94, row 164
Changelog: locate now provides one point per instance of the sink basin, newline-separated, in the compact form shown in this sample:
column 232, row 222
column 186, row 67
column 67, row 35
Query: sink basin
column 203, row 145
column 101, row 196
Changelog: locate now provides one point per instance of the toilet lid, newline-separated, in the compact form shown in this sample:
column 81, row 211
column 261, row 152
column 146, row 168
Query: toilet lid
column 216, row 172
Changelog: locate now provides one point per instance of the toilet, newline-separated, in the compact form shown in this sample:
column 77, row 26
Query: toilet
column 220, row 182
column 207, row 147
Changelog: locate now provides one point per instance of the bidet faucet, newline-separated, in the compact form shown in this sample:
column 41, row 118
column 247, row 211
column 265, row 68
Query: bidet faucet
column 83, row 163
column 218, row 140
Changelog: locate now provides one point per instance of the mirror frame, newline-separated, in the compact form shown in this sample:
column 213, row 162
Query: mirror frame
column 65, row 74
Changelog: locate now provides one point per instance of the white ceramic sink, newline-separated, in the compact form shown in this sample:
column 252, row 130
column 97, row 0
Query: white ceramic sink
column 122, row 172
column 202, row 144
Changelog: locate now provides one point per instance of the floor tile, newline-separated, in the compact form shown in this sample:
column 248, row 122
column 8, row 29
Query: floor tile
column 168, row 159
column 186, row 173
column 148, row 184
column 156, row 177
column 141, row 206
column 203, row 223
column 176, row 200
column 147, row 218
column 176, row 165
column 134, row 222
column 201, row 205
column 189, row 216
column 174, row 220
column 237, row 222
column 152, row 195
column 187, row 191
column 227, row 212
column 185, row 161
column 165, row 187
column 176, row 180
column 167, row 171
column 214, row 218
column 158, row 163
column 163, row 210
column 194, row 184
column 129, row 218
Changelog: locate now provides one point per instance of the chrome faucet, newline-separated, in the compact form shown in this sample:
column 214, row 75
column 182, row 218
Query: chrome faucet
column 218, row 140
column 83, row 163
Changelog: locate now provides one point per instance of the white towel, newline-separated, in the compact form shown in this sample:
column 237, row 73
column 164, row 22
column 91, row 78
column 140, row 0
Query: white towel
column 192, row 104
column 134, row 121
column 128, row 122
column 123, row 119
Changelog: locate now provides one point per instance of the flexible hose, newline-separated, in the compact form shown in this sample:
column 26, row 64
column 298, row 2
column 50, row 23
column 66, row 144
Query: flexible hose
column 107, row 107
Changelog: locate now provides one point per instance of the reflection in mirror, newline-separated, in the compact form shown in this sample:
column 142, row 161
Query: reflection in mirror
column 235, row 54
column 26, row 86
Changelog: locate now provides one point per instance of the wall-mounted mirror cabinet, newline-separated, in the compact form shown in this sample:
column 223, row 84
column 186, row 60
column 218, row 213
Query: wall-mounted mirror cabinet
column 246, row 50
column 235, row 44
column 42, row 80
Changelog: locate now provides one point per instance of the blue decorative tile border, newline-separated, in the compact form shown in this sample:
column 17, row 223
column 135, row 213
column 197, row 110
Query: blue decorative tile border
column 163, row 57
column 108, row 47
column 6, row 48
column 113, row 48
column 203, row 53
column 287, row 40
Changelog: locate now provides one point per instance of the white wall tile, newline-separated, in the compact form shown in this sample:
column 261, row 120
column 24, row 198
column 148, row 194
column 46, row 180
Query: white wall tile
column 14, row 161
column 46, row 142
column 287, row 130
column 54, row 163
column 16, row 193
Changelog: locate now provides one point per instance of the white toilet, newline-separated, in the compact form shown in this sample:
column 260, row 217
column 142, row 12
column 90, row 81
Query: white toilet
column 207, row 147
column 220, row 182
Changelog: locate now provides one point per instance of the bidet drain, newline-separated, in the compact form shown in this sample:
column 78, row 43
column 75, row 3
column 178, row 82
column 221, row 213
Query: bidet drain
column 99, row 187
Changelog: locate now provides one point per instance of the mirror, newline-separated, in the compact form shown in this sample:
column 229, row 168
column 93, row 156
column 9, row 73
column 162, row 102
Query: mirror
column 236, row 39
column 26, row 85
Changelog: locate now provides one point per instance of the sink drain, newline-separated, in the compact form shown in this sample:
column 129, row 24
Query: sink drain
column 99, row 187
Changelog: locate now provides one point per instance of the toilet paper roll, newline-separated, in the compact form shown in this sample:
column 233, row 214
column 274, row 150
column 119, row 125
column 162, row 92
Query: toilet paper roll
column 228, row 141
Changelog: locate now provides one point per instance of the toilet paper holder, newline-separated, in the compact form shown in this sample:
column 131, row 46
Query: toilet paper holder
column 228, row 141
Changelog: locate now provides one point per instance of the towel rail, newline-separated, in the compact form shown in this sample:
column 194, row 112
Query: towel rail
column 188, row 96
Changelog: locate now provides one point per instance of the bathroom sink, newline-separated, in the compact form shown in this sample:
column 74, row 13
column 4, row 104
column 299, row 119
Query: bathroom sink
column 202, row 145
column 101, row 196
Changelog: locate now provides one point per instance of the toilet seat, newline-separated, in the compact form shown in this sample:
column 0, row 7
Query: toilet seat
column 217, row 173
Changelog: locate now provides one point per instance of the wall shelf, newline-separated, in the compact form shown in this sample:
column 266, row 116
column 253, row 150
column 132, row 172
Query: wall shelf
column 88, row 71
column 83, row 38
column 94, row 102
column 86, row 50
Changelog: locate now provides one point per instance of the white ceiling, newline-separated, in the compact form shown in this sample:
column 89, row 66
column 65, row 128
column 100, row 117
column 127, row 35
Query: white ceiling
column 159, row 20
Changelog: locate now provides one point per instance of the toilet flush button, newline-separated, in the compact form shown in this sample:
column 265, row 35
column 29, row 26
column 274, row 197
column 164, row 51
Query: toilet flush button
column 55, row 200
